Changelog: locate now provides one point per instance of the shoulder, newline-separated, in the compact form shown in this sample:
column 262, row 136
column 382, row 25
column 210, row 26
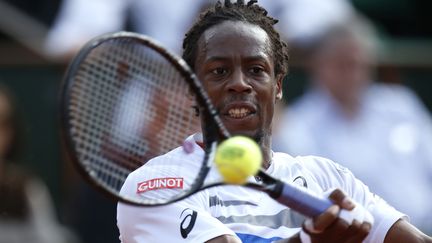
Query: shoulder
column 322, row 169
column 321, row 166
column 325, row 172
column 394, row 98
column 324, row 175
column 392, row 91
column 311, row 162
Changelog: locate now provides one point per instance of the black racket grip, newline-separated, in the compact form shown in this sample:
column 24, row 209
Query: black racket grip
column 301, row 200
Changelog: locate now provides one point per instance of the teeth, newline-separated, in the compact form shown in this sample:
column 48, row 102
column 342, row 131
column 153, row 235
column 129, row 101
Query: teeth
column 239, row 112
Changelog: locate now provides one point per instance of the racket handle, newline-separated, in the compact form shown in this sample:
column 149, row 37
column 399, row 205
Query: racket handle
column 311, row 205
column 301, row 200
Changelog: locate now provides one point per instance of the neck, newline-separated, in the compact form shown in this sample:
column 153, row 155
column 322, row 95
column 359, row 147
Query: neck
column 265, row 144
column 349, row 106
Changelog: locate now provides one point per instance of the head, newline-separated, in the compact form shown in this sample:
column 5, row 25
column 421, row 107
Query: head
column 241, row 61
column 341, row 59
column 13, row 203
column 8, row 126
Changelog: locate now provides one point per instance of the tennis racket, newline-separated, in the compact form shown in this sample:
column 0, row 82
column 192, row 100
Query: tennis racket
column 125, row 100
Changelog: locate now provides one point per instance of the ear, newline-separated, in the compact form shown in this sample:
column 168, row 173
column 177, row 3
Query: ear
column 279, row 82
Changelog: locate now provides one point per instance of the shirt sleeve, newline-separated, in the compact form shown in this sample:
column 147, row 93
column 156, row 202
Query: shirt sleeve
column 187, row 220
column 178, row 222
column 331, row 175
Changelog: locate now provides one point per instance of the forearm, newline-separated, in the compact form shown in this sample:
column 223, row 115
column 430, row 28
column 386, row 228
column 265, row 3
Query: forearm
column 403, row 231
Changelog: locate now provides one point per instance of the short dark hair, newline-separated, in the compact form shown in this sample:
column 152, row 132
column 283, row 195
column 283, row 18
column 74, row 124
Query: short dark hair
column 238, row 11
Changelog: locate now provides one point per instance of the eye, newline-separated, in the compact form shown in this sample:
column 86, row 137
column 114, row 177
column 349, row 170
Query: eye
column 219, row 71
column 256, row 70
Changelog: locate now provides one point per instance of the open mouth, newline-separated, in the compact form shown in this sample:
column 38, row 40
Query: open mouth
column 239, row 113
column 239, row 110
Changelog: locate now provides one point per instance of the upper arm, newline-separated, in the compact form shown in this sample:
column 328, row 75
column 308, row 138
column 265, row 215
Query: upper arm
column 403, row 231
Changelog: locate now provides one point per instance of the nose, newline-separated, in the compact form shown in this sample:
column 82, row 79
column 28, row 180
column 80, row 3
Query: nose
column 239, row 83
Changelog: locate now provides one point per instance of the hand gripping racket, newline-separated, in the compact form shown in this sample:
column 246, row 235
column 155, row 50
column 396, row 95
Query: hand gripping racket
column 126, row 100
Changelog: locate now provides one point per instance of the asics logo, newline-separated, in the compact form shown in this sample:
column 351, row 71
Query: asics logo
column 188, row 217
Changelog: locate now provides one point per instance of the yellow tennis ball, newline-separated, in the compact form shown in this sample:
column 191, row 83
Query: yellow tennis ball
column 238, row 158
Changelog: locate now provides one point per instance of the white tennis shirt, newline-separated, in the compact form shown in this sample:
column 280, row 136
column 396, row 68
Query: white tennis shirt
column 250, row 215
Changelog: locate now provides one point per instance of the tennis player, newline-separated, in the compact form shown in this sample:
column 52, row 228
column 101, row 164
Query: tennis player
column 241, row 61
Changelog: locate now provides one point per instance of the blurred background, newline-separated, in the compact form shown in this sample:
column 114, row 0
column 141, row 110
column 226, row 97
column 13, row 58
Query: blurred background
column 33, row 61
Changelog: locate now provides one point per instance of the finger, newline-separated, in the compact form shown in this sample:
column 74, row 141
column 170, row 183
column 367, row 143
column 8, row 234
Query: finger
column 323, row 221
column 350, row 215
column 338, row 197
column 352, row 230
column 309, row 228
column 359, row 213
column 361, row 233
column 335, row 230
column 331, row 234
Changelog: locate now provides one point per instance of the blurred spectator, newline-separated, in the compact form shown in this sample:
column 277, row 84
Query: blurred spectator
column 80, row 20
column 382, row 132
column 302, row 20
column 166, row 21
column 26, row 210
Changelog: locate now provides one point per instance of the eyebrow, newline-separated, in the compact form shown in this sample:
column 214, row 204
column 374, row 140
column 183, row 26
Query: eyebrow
column 248, row 58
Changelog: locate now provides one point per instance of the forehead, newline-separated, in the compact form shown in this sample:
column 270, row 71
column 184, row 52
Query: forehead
column 234, row 37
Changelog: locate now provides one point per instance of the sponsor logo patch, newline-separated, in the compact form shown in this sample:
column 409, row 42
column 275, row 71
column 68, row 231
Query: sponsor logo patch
column 188, row 218
column 160, row 183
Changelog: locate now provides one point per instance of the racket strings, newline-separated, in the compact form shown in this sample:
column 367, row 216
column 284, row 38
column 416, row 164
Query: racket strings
column 127, row 105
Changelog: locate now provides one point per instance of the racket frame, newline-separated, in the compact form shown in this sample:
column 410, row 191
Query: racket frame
column 181, row 66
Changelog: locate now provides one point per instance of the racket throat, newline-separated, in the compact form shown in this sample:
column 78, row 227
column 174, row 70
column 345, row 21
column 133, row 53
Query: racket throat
column 274, row 190
column 298, row 199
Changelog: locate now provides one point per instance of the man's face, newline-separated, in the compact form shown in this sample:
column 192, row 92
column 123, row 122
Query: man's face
column 6, row 131
column 343, row 67
column 235, row 65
